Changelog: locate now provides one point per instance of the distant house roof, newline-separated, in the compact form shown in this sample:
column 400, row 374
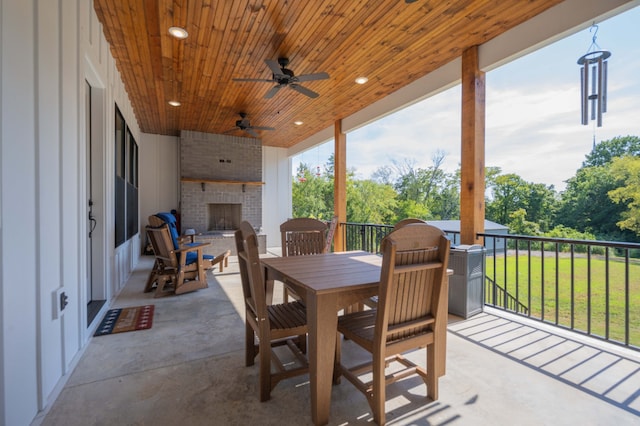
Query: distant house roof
column 454, row 225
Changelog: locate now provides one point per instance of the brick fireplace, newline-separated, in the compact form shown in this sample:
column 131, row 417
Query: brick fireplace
column 221, row 185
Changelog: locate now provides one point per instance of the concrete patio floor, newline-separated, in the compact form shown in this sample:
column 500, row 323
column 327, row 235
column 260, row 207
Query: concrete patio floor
column 188, row 369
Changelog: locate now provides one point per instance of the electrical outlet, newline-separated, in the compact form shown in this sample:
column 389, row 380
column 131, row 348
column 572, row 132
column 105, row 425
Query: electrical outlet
column 60, row 301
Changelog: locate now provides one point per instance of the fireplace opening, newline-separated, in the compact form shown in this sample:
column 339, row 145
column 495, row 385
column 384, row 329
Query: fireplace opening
column 224, row 217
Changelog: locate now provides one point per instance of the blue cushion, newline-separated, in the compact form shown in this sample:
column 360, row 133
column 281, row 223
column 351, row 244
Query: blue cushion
column 192, row 256
column 170, row 220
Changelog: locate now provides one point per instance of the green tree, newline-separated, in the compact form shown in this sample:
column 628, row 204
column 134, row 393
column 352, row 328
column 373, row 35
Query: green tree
column 619, row 146
column 370, row 202
column 586, row 205
column 424, row 193
column 445, row 202
column 627, row 170
column 311, row 195
column 518, row 224
column 509, row 194
column 541, row 205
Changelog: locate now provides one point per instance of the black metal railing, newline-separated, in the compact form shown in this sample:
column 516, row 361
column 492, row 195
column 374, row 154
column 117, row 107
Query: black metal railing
column 364, row 236
column 512, row 303
column 368, row 236
column 589, row 287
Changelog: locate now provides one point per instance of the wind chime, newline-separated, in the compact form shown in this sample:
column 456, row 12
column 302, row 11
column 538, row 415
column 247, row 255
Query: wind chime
column 593, row 96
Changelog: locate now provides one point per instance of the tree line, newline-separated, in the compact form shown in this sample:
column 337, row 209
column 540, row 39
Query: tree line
column 601, row 202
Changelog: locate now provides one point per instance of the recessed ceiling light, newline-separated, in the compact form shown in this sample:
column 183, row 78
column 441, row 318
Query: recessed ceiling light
column 361, row 80
column 178, row 32
column 174, row 103
column 297, row 123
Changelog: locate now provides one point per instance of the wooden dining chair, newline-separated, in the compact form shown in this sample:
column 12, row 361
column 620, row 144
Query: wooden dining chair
column 412, row 279
column 184, row 268
column 302, row 236
column 272, row 325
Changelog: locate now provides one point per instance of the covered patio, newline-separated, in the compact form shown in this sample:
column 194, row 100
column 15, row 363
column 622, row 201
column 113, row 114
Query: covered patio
column 189, row 369
column 90, row 148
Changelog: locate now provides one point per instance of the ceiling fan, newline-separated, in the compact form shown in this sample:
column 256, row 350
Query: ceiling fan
column 246, row 126
column 285, row 77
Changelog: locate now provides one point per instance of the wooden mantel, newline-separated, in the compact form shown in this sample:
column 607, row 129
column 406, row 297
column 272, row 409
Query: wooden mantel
column 225, row 182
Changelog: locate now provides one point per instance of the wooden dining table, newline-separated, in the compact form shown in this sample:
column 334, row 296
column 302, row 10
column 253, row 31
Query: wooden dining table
column 329, row 283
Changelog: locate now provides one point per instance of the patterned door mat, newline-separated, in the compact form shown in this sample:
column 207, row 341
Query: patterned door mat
column 120, row 320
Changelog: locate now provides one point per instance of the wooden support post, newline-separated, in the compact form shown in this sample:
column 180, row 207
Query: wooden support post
column 472, row 177
column 340, row 184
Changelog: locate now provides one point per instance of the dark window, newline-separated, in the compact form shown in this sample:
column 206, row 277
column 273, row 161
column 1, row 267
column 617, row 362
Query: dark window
column 126, row 181
column 120, row 175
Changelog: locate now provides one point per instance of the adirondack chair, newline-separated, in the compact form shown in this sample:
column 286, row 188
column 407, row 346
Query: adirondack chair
column 183, row 268
column 181, row 241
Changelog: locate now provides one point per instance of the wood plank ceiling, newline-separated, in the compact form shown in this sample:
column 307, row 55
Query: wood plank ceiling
column 389, row 41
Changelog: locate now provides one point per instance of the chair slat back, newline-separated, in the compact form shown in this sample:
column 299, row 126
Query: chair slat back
column 242, row 264
column 253, row 283
column 303, row 236
column 415, row 258
column 162, row 243
column 407, row 221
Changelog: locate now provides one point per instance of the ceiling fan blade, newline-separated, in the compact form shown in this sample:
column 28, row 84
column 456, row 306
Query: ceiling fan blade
column 262, row 128
column 312, row 77
column 230, row 130
column 253, row 79
column 274, row 66
column 271, row 93
column 251, row 132
column 304, row 90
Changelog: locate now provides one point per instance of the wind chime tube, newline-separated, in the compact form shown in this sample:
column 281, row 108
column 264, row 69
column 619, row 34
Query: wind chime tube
column 600, row 88
column 584, row 79
column 593, row 97
column 605, row 72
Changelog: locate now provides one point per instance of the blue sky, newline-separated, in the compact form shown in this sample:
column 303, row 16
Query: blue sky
column 532, row 115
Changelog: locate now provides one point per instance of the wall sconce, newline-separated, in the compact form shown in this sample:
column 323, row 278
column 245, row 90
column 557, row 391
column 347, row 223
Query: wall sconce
column 202, row 185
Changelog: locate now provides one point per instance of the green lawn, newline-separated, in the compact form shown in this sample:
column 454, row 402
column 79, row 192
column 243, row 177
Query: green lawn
column 557, row 292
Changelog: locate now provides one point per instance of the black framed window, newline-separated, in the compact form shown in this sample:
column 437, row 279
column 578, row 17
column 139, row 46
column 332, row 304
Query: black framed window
column 126, row 181
column 120, row 176
column 132, row 186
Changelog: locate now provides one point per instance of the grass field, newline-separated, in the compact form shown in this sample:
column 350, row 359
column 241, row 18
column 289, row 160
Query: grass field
column 564, row 295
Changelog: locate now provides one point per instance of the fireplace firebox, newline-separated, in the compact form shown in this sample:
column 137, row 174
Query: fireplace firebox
column 224, row 217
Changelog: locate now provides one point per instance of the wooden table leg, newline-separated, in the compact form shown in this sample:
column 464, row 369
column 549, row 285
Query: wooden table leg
column 322, row 317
